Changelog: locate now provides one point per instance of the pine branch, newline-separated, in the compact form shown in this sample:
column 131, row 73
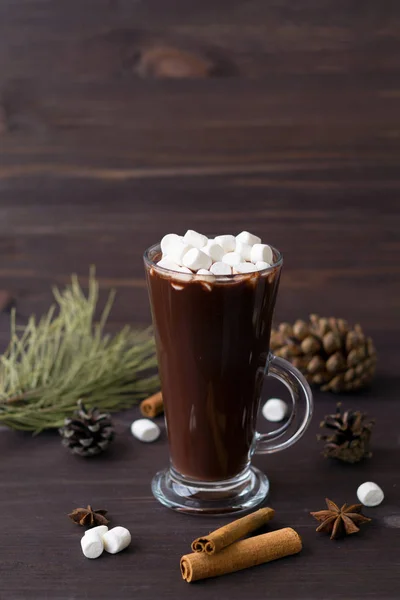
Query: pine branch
column 50, row 364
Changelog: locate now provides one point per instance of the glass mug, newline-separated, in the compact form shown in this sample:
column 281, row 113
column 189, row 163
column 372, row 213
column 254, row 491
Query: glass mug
column 212, row 338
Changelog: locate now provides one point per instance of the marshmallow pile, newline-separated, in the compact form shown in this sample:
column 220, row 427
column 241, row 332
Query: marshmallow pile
column 223, row 255
column 101, row 538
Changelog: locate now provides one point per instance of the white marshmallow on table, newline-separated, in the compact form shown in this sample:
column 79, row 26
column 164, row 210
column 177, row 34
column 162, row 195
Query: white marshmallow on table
column 145, row 430
column 95, row 531
column 92, row 545
column 275, row 410
column 220, row 268
column 116, row 539
column 169, row 240
column 261, row 252
column 370, row 494
column 194, row 239
column 232, row 258
column 248, row 238
column 177, row 251
column 243, row 249
column 213, row 250
column 245, row 267
column 228, row 242
column 261, row 265
column 195, row 259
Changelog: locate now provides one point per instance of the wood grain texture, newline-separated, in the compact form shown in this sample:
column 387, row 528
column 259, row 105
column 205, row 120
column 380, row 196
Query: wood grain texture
column 284, row 120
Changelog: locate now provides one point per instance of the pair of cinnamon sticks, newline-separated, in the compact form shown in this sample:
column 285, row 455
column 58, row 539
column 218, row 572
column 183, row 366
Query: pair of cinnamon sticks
column 220, row 552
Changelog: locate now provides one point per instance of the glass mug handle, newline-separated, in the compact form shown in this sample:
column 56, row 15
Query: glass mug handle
column 266, row 443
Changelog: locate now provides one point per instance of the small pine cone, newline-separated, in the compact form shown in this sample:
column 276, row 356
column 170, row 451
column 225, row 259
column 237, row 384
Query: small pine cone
column 350, row 435
column 87, row 432
column 329, row 353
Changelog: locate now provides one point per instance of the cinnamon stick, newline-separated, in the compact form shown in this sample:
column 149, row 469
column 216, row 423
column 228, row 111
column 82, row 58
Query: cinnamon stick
column 241, row 555
column 153, row 406
column 220, row 538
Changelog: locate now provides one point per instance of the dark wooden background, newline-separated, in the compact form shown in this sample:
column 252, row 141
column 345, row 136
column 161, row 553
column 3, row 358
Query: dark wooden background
column 285, row 121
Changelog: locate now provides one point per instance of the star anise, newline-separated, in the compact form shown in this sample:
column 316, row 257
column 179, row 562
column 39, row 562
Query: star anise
column 340, row 521
column 89, row 517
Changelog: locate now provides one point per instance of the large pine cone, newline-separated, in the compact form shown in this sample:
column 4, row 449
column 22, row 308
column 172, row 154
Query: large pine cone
column 331, row 354
column 87, row 432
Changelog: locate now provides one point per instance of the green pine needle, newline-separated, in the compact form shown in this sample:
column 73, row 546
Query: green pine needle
column 65, row 356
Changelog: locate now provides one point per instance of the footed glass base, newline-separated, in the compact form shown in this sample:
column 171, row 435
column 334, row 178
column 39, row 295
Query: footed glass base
column 242, row 493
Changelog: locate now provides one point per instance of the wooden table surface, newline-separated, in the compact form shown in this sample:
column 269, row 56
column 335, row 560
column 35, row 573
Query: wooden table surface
column 285, row 121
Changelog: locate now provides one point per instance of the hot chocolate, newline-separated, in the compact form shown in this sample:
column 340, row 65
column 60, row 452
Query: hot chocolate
column 212, row 335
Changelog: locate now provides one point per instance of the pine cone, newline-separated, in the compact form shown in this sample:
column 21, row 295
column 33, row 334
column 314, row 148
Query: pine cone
column 87, row 432
column 350, row 439
column 330, row 354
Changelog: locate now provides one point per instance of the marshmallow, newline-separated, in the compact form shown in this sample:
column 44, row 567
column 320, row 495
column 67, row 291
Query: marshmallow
column 220, row 268
column 245, row 267
column 275, row 410
column 100, row 530
column 248, row 238
column 203, row 272
column 261, row 252
column 243, row 249
column 145, row 430
column 167, row 263
column 213, row 250
column 228, row 242
column 194, row 239
column 117, row 539
column 169, row 240
column 177, row 251
column 195, row 259
column 261, row 265
column 370, row 494
column 171, row 266
column 232, row 259
column 92, row 545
